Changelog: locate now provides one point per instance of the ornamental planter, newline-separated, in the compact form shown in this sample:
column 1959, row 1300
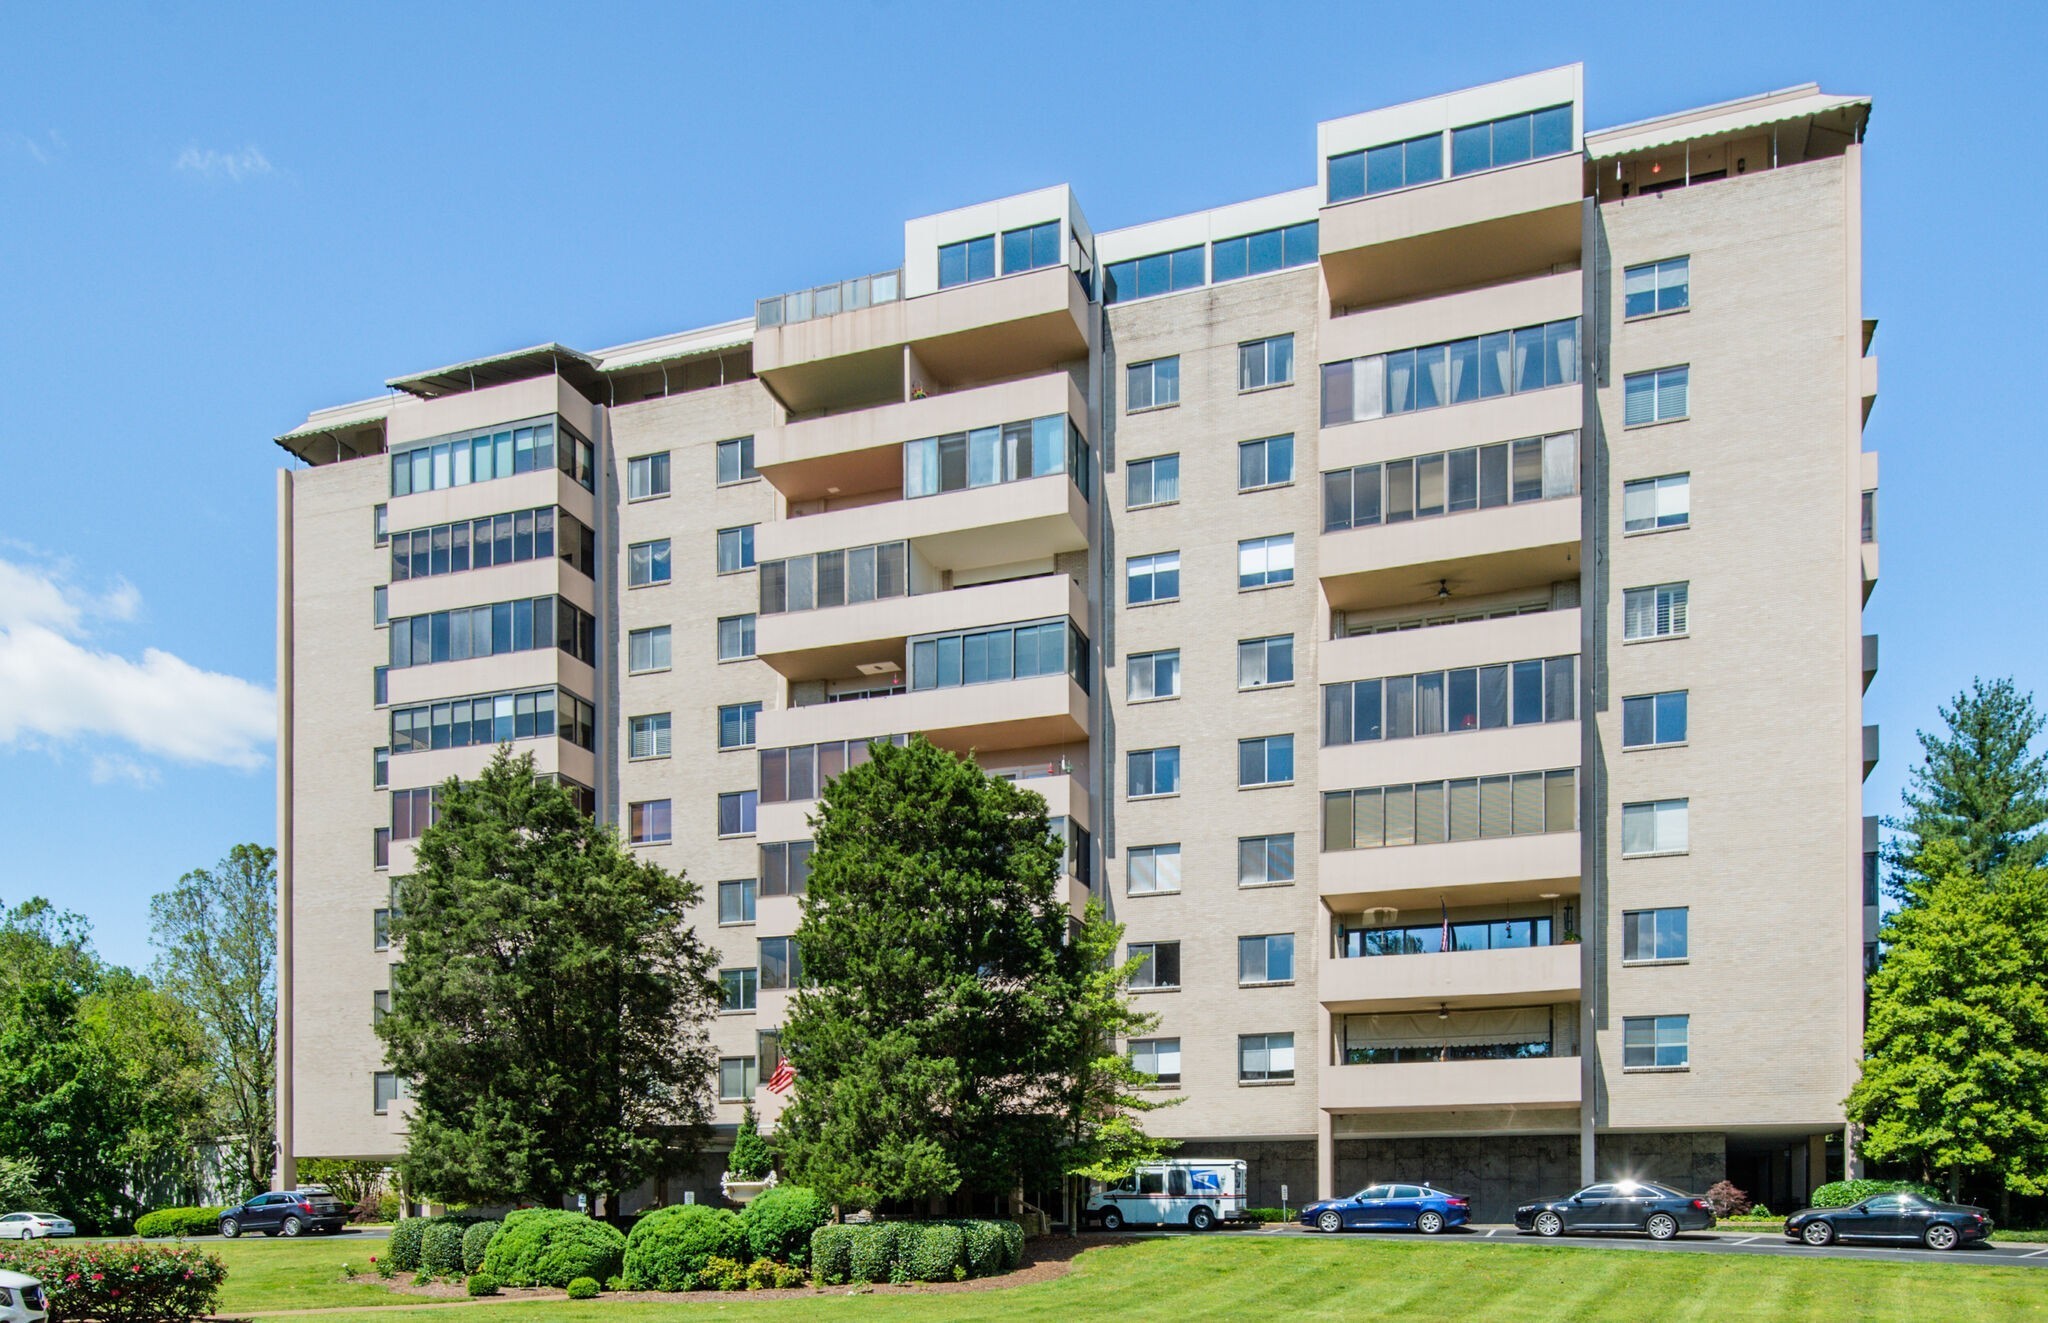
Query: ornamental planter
column 739, row 1191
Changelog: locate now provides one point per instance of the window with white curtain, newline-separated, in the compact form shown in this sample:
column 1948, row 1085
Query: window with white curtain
column 1654, row 503
column 1480, row 367
column 1265, row 1057
column 1157, row 1057
column 1265, row 561
column 1654, row 613
column 1153, row 383
column 1152, row 481
column 1266, row 462
column 1153, row 675
column 1154, row 870
column 1656, row 397
column 1656, row 827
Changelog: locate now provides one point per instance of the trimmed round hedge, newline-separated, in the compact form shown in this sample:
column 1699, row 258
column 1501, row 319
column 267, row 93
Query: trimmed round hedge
column 583, row 1288
column 482, row 1283
column 671, row 1248
column 179, row 1222
column 915, row 1251
column 475, row 1241
column 441, row 1249
column 779, row 1222
column 936, row 1252
column 552, row 1247
column 1841, row 1194
column 404, row 1249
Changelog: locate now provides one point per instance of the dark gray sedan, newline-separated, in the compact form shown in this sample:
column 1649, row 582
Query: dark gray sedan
column 1902, row 1216
column 1657, row 1211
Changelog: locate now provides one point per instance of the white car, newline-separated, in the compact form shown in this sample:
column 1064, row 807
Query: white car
column 22, row 1299
column 34, row 1226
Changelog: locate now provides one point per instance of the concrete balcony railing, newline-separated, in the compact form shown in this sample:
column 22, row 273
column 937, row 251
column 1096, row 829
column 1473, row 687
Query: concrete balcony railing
column 835, row 640
column 545, row 577
column 1428, row 1086
column 989, row 330
column 1011, row 522
column 503, row 673
column 1496, row 870
column 1044, row 710
column 861, row 450
column 1065, row 793
column 521, row 491
column 1441, row 647
column 1517, row 976
column 1448, row 756
column 1463, row 231
column 1472, row 553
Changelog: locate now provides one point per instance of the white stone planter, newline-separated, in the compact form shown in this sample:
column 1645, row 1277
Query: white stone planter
column 739, row 1191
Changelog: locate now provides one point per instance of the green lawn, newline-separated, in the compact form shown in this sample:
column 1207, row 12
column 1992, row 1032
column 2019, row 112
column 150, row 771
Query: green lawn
column 298, row 1274
column 1281, row 1278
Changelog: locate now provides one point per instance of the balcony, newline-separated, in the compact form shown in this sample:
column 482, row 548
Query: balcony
column 1447, row 756
column 1441, row 647
column 861, row 450
column 1062, row 782
column 1869, row 751
column 1518, row 976
column 521, row 491
column 1498, row 870
column 836, row 641
column 1471, row 554
column 1006, row 524
column 1463, row 231
column 989, row 330
column 1869, row 660
column 1432, row 1086
column 1044, row 710
column 494, row 583
column 503, row 673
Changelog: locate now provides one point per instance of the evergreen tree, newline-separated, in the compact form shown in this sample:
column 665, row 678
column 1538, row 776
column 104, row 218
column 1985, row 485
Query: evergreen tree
column 1978, row 786
column 1955, row 1071
column 551, row 1013
column 1107, row 1093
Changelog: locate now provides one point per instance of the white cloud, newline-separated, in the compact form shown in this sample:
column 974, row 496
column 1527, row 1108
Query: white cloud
column 58, row 690
column 248, row 163
column 42, row 150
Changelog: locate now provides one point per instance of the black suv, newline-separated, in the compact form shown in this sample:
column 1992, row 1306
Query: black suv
column 286, row 1213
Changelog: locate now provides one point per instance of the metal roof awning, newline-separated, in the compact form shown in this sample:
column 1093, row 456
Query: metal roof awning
column 723, row 338
column 1844, row 114
column 348, row 431
column 577, row 368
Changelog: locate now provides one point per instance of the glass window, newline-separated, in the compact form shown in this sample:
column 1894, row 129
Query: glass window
column 1153, row 675
column 380, row 524
column 736, row 988
column 968, row 260
column 1654, row 934
column 648, row 649
column 1658, row 827
column 1153, row 869
column 647, row 563
column 1154, row 578
column 1154, row 772
column 1267, row 462
column 1656, row 612
column 646, row 476
column 735, row 637
column 1262, row 1057
column 1031, row 247
column 1265, row 561
column 1268, row 362
column 1656, row 503
column 1652, row 719
column 649, row 736
column 738, row 1077
column 1265, row 860
column 736, row 725
column 1157, row 1057
column 1657, row 287
column 1158, row 964
column 1656, row 397
column 735, row 549
column 735, row 460
column 380, row 768
column 380, row 848
column 1266, row 661
column 1161, row 273
column 736, row 901
column 1265, row 760
column 1652, row 1042
column 1266, row 959
column 736, row 810
column 648, row 822
column 1511, row 139
column 1151, row 384
column 384, row 1091
column 1152, row 482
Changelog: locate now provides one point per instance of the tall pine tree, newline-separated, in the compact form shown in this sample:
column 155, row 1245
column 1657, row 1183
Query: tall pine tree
column 1979, row 786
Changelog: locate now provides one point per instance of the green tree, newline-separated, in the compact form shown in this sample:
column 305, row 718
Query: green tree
column 1955, row 1071
column 1978, row 786
column 1106, row 1092
column 551, row 1014
column 354, row 1182
column 947, row 1035
column 20, row 1183
column 216, row 934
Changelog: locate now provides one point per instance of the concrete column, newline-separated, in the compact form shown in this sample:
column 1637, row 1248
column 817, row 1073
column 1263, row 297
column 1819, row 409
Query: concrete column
column 1326, row 1155
column 287, row 1176
column 1816, row 1163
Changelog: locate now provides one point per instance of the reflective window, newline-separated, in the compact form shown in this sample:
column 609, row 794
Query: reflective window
column 968, row 260
column 781, row 963
column 1267, row 462
column 736, row 725
column 1154, row 772
column 1657, row 287
column 1152, row 383
column 1265, row 860
column 463, row 458
column 736, row 989
column 1153, row 481
column 1482, row 367
column 1268, row 250
column 1154, row 578
column 1383, row 169
column 1031, row 247
column 835, row 578
column 1536, row 468
column 1153, row 869
column 1265, row 561
column 1468, row 698
column 988, row 656
column 1658, row 827
column 1265, row 760
column 736, row 812
column 484, row 719
column 647, row 475
column 738, row 1077
column 525, row 625
column 987, row 456
column 506, row 539
column 786, row 865
column 1268, row 362
column 801, row 771
column 1654, row 934
column 1511, row 139
column 1655, row 1041
column 1161, row 273
column 1266, row 661
column 1656, row 397
column 1652, row 719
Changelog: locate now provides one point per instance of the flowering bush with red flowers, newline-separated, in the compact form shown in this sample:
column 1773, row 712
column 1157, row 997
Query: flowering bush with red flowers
column 122, row 1281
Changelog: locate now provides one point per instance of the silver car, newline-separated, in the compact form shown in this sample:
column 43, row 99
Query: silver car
column 34, row 1226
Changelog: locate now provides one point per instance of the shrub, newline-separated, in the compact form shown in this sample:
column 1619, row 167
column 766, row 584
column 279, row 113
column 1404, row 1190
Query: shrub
column 178, row 1222
column 1013, row 1245
column 1841, row 1194
column 482, row 1283
column 441, row 1249
column 832, row 1254
column 933, row 1251
column 874, row 1252
column 671, row 1246
column 475, row 1241
column 405, row 1243
column 1758, row 1210
column 583, row 1288
column 984, row 1247
column 1726, row 1200
column 720, row 1274
column 121, row 1281
column 388, row 1206
column 779, row 1223
column 1267, row 1215
column 552, row 1247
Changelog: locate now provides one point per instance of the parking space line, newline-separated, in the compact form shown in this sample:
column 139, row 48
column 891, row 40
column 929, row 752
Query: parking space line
column 1749, row 1240
column 2035, row 1255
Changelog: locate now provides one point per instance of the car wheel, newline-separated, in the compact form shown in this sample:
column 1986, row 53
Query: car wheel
column 1430, row 1222
column 1549, row 1224
column 1818, row 1234
column 229, row 1228
column 1112, row 1220
column 1941, row 1236
column 1661, row 1226
column 292, row 1226
column 1201, row 1220
column 1330, row 1221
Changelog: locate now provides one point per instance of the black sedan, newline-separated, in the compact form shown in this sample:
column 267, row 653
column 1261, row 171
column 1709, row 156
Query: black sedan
column 1902, row 1216
column 1657, row 1211
column 285, row 1213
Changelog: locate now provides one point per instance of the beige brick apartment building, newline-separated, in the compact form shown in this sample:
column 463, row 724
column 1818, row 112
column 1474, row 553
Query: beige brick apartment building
column 1428, row 601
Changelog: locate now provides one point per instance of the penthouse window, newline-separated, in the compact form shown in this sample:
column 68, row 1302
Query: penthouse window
column 1480, row 367
column 834, row 578
column 1468, row 698
column 458, row 460
column 988, row 456
column 1268, row 250
column 968, row 260
column 525, row 625
column 1388, row 167
column 1536, row 468
column 1656, row 287
column 532, row 714
column 1160, row 273
column 506, row 539
column 1435, row 812
column 1511, row 140
column 988, row 656
column 1031, row 247
column 1152, row 384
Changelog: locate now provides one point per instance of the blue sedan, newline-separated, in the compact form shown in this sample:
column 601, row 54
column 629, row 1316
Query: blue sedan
column 1391, row 1208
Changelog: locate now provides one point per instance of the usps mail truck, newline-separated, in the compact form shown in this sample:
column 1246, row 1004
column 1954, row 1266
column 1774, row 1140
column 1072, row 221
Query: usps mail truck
column 1197, row 1193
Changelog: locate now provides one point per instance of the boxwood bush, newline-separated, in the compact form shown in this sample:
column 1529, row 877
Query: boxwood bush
column 936, row 1252
column 404, row 1248
column 915, row 1251
column 121, row 1281
column 671, row 1248
column 984, row 1247
column 179, row 1222
column 1841, row 1194
column 832, row 1254
column 779, row 1223
column 482, row 1283
column 583, row 1288
column 552, row 1247
column 475, row 1241
column 441, row 1249
column 875, row 1247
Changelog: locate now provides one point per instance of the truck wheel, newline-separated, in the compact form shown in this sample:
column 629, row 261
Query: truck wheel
column 1201, row 1220
column 1112, row 1220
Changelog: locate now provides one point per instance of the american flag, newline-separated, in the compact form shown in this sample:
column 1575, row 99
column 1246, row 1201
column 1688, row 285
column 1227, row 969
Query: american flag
column 783, row 1078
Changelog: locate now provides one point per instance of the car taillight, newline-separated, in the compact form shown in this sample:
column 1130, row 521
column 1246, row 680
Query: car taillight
column 1700, row 1204
column 306, row 1205
column 1459, row 1203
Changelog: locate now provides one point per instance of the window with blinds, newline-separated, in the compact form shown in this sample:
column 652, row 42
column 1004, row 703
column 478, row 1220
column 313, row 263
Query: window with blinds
column 1440, row 812
column 1655, row 612
column 1656, row 287
column 1656, row 397
column 1536, row 468
column 1153, row 870
column 1265, row 860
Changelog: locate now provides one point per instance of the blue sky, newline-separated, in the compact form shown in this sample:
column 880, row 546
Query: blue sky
column 213, row 221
